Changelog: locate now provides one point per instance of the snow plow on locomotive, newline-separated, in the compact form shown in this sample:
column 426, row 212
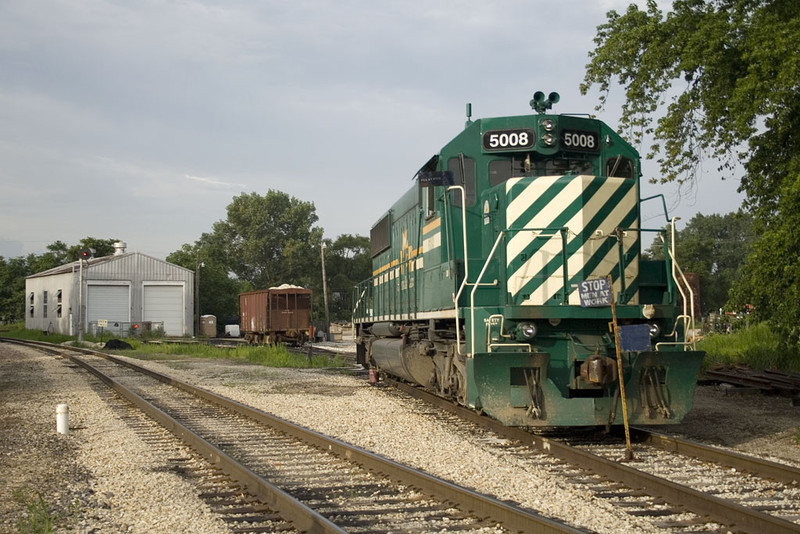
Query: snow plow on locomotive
column 477, row 270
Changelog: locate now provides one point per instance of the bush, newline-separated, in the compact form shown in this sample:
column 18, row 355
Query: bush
column 756, row 346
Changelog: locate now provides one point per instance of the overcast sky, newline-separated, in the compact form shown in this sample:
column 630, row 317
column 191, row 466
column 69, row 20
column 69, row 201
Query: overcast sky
column 141, row 120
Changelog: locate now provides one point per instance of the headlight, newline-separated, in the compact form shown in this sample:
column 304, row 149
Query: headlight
column 655, row 330
column 548, row 139
column 548, row 125
column 526, row 330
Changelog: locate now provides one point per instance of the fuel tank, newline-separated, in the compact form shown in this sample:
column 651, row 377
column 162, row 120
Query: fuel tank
column 407, row 361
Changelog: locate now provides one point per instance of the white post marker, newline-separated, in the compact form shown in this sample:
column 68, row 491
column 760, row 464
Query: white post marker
column 62, row 419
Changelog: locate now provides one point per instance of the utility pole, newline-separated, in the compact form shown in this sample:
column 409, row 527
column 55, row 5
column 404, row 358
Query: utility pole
column 197, row 265
column 325, row 291
column 80, row 301
column 84, row 254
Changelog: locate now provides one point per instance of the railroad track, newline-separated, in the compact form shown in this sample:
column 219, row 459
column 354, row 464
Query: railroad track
column 294, row 475
column 685, row 484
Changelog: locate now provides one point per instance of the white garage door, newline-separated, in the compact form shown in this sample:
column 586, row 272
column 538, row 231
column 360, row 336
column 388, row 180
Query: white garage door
column 108, row 302
column 165, row 304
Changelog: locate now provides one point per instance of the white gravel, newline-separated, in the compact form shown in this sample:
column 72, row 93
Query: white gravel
column 116, row 478
column 101, row 477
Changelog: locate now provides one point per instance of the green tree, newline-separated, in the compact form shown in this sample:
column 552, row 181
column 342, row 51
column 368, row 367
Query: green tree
column 270, row 240
column 347, row 262
column 12, row 288
column 218, row 292
column 101, row 247
column 13, row 271
column 714, row 247
column 728, row 73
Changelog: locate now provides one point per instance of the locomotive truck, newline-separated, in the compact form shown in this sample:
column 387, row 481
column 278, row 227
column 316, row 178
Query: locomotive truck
column 477, row 269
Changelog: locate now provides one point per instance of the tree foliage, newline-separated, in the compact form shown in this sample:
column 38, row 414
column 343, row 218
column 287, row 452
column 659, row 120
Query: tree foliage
column 720, row 66
column 347, row 262
column 269, row 240
column 13, row 271
column 714, row 247
column 720, row 79
column 218, row 293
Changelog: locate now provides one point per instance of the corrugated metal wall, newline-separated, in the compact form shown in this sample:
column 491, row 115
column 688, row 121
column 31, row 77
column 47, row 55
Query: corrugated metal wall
column 134, row 269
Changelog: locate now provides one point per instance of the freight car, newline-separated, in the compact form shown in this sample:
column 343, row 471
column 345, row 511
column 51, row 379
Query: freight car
column 276, row 315
column 478, row 270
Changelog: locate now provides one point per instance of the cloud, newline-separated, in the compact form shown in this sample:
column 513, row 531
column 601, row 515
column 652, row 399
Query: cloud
column 143, row 119
column 216, row 182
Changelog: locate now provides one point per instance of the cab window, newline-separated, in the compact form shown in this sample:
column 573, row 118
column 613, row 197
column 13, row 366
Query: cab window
column 501, row 170
column 429, row 201
column 620, row 167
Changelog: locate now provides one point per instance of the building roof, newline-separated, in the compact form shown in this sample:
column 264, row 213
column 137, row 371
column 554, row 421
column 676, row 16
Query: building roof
column 92, row 262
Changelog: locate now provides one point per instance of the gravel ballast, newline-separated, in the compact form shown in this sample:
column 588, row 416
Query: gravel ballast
column 102, row 477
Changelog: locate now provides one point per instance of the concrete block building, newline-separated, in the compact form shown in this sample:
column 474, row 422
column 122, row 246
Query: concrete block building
column 126, row 292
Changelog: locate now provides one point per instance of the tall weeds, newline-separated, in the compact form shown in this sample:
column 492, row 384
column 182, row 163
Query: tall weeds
column 757, row 346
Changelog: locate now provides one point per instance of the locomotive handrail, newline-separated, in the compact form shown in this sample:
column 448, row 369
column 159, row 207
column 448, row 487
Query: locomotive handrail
column 688, row 318
column 663, row 202
column 361, row 296
column 563, row 231
column 500, row 237
column 466, row 260
column 620, row 235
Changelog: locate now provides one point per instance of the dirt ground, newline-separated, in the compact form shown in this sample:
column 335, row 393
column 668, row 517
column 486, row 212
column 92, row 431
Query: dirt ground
column 751, row 422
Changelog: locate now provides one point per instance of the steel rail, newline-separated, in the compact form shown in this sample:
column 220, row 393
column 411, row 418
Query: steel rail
column 483, row 506
column 719, row 510
column 305, row 519
column 480, row 505
column 756, row 466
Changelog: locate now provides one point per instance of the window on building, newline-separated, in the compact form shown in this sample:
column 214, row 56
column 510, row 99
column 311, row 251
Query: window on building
column 31, row 297
column 58, row 311
column 44, row 311
column 58, row 295
column 31, row 311
column 44, row 297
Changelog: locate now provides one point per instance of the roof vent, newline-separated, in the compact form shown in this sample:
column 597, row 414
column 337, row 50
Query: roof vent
column 119, row 248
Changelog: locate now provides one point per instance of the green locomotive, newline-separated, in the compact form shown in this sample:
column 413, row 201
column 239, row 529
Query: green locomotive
column 477, row 271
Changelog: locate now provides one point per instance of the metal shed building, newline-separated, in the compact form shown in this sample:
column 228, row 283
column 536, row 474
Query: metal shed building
column 124, row 290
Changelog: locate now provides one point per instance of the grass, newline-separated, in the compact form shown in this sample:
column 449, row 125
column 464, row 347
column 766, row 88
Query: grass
column 38, row 519
column 755, row 346
column 17, row 330
column 266, row 355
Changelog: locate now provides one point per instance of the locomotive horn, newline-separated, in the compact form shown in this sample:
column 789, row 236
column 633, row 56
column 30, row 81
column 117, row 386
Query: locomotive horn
column 540, row 104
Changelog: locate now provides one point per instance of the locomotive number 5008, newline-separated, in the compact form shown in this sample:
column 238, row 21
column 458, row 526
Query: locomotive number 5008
column 580, row 140
column 508, row 139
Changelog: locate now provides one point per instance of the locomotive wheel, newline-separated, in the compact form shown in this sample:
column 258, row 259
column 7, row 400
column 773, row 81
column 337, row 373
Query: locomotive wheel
column 458, row 385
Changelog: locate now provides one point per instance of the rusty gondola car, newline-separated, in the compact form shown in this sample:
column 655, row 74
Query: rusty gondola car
column 276, row 315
